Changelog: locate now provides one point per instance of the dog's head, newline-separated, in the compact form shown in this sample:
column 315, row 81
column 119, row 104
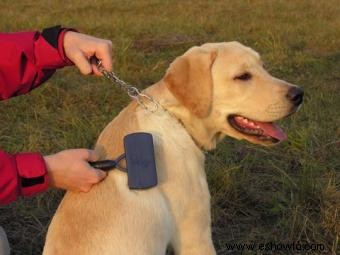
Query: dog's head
column 223, row 89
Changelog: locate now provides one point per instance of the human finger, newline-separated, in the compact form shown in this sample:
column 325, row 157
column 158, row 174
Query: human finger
column 82, row 62
column 104, row 54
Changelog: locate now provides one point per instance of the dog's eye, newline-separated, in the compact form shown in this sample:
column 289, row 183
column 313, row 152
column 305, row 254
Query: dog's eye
column 243, row 77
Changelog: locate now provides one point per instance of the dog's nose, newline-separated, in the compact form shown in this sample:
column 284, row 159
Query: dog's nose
column 295, row 95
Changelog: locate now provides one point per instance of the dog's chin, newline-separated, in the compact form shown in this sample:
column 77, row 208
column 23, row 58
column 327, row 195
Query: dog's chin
column 263, row 133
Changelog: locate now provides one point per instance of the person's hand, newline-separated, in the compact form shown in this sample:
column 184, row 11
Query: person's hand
column 70, row 170
column 80, row 48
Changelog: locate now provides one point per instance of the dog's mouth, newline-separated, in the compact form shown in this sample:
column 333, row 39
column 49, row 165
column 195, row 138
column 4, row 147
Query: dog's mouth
column 262, row 131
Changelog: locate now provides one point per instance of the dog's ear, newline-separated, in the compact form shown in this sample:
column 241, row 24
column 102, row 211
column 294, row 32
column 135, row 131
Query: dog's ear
column 189, row 79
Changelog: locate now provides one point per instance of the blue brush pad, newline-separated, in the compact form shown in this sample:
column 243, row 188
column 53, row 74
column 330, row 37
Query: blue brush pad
column 140, row 160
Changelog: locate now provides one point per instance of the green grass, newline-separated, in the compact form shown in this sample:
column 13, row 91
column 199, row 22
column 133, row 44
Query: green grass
column 285, row 194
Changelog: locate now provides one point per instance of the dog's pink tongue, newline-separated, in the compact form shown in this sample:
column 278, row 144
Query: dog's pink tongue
column 272, row 130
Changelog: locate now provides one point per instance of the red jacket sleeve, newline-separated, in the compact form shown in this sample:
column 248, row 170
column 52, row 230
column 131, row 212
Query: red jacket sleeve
column 27, row 60
column 21, row 174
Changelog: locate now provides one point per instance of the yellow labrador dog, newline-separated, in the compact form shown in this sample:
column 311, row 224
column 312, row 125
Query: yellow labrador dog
column 211, row 91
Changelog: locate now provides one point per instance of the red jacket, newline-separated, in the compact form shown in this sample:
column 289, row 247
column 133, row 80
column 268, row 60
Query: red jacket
column 27, row 59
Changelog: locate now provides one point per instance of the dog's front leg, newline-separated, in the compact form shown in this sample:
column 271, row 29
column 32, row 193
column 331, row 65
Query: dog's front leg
column 194, row 230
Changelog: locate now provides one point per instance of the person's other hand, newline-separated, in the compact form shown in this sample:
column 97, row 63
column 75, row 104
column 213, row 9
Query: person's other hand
column 80, row 48
column 70, row 170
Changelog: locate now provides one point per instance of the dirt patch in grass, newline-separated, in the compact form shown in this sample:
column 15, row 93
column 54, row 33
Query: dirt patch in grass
column 147, row 43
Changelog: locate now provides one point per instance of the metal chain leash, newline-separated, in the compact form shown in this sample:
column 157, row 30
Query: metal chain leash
column 133, row 92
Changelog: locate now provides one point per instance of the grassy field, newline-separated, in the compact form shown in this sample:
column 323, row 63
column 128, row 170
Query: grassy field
column 285, row 194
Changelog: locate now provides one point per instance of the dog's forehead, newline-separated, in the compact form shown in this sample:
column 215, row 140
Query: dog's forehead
column 234, row 56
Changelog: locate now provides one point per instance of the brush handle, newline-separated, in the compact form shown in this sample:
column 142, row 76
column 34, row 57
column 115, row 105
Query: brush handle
column 104, row 165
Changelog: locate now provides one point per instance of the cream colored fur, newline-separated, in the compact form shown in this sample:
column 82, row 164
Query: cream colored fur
column 111, row 219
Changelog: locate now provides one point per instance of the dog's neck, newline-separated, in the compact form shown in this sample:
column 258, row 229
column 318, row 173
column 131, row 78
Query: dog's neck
column 201, row 132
